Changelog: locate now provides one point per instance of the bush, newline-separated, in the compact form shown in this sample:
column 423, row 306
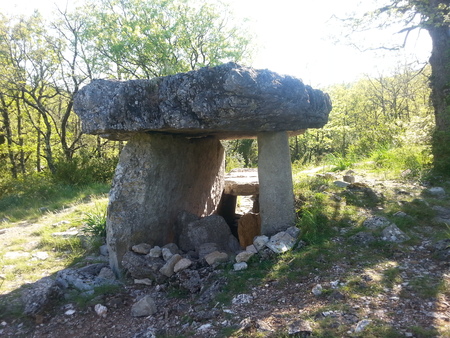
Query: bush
column 84, row 170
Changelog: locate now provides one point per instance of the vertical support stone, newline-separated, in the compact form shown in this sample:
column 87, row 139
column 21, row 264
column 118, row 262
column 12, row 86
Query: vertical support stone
column 159, row 176
column 276, row 196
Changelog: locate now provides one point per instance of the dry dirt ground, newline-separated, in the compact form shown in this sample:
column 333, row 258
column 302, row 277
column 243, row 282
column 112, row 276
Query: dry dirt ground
column 394, row 297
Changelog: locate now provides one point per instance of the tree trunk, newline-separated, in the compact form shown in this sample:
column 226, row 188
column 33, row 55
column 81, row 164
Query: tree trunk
column 440, row 95
column 9, row 137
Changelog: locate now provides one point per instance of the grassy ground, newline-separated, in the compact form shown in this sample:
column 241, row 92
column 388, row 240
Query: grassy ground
column 327, row 217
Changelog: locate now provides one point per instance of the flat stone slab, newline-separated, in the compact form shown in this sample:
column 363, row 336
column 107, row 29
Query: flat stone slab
column 242, row 182
column 228, row 101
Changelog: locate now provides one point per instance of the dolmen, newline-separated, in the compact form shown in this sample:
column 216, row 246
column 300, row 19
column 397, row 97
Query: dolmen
column 173, row 162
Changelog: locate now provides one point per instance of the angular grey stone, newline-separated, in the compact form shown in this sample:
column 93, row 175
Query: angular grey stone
column 39, row 295
column 299, row 328
column 104, row 250
column 106, row 273
column 349, row 178
column 240, row 266
column 142, row 248
column 216, row 257
column 147, row 333
column 260, row 242
column 101, row 310
column 172, row 247
column 229, row 101
column 244, row 256
column 141, row 267
column 293, row 231
column 144, row 307
column 436, row 192
column 182, row 264
column 155, row 252
column 376, row 222
column 281, row 242
column 145, row 281
column 242, row 299
column 363, row 238
column 166, row 254
column 393, row 234
column 211, row 229
column 168, row 268
column 84, row 279
column 341, row 184
column 362, row 325
column 317, row 290
column 190, row 280
column 251, row 248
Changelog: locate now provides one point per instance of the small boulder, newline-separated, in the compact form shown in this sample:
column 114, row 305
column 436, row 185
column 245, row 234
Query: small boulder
column 141, row 267
column 281, row 242
column 376, row 222
column 39, row 295
column 437, row 192
column 260, row 242
column 182, row 264
column 172, row 247
column 363, row 238
column 349, row 178
column 293, row 231
column 166, row 254
column 317, row 290
column 155, row 252
column 101, row 310
column 240, row 266
column 210, row 229
column 144, row 307
column 393, row 234
column 168, row 268
column 242, row 299
column 244, row 256
column 142, row 248
column 216, row 257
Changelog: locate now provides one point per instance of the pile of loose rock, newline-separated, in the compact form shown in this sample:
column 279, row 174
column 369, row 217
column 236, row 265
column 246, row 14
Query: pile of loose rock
column 148, row 265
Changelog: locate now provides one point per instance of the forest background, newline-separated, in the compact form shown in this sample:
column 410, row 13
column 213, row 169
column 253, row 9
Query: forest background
column 43, row 63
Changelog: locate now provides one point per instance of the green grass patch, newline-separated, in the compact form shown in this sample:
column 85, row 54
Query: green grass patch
column 34, row 196
column 429, row 287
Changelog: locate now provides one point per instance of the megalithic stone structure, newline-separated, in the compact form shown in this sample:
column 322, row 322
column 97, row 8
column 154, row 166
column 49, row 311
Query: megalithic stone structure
column 174, row 161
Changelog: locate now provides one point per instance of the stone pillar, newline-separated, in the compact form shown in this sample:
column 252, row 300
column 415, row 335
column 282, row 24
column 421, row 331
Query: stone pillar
column 157, row 177
column 276, row 196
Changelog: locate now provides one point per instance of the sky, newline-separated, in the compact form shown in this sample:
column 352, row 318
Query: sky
column 298, row 38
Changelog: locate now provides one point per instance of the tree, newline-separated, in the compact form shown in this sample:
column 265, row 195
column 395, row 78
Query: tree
column 145, row 39
column 433, row 16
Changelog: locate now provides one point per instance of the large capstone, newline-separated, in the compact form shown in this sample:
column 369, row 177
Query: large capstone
column 228, row 101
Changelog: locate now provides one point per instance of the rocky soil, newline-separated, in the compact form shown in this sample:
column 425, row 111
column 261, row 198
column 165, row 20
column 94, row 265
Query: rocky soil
column 405, row 293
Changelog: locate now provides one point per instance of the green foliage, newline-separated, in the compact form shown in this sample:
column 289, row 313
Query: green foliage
column 84, row 170
column 144, row 39
column 95, row 224
column 371, row 115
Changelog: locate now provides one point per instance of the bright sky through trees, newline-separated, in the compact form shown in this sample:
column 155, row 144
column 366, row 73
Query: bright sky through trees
column 298, row 38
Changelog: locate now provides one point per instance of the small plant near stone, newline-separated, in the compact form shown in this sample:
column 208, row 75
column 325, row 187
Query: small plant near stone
column 95, row 224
